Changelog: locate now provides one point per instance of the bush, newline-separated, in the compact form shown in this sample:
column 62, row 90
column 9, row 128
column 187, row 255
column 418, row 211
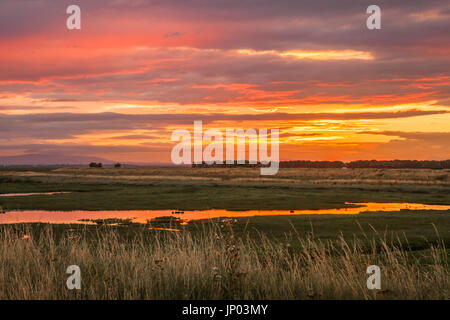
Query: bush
column 95, row 165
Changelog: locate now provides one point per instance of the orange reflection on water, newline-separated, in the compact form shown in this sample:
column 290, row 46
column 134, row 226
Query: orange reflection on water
column 143, row 216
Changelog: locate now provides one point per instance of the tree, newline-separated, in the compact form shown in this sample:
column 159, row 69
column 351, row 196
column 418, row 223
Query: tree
column 95, row 165
column 117, row 165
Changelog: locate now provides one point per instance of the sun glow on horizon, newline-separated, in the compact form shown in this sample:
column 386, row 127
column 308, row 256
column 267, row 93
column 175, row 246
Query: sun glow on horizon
column 313, row 55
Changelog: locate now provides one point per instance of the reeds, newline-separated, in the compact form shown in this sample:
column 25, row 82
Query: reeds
column 213, row 264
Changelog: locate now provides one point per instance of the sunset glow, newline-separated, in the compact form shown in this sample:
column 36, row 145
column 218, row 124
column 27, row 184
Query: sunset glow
column 115, row 92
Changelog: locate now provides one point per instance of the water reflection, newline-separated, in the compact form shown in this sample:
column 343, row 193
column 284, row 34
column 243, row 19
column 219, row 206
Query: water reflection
column 144, row 216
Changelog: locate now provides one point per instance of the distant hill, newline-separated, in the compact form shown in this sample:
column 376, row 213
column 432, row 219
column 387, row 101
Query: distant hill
column 59, row 160
column 45, row 159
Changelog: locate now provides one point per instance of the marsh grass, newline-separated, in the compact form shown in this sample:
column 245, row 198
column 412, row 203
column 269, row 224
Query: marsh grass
column 227, row 176
column 213, row 264
column 394, row 181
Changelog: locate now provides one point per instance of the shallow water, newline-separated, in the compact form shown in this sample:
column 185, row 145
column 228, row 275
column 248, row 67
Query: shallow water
column 143, row 216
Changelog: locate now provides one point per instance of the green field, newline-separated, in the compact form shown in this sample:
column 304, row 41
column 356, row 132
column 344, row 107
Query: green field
column 287, row 257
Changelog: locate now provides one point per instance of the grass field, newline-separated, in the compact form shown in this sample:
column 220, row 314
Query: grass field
column 273, row 257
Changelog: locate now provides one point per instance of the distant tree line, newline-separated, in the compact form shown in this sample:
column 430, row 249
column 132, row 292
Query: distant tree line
column 384, row 164
column 227, row 165
column 100, row 165
column 312, row 164
column 400, row 164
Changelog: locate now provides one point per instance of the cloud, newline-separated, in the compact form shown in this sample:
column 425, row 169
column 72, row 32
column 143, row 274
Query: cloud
column 71, row 125
column 223, row 62
column 430, row 137
column 233, row 24
column 81, row 149
column 184, row 76
column 174, row 34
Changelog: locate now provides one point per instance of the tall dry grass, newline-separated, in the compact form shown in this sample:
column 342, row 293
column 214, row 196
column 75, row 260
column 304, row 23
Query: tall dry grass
column 370, row 179
column 213, row 265
column 310, row 174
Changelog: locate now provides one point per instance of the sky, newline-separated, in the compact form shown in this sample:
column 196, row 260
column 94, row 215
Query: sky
column 138, row 70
